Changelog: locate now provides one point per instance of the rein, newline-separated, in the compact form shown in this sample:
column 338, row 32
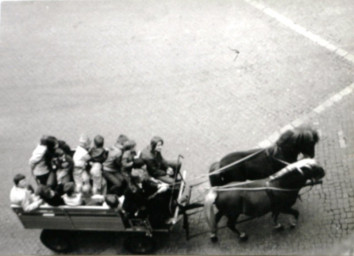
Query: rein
column 234, row 188
column 220, row 170
column 235, row 163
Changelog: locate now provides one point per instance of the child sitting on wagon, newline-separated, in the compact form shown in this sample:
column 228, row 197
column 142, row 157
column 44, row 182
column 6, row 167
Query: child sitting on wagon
column 21, row 194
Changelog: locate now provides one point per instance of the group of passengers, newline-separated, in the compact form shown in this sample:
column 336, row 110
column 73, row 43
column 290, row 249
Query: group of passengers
column 95, row 175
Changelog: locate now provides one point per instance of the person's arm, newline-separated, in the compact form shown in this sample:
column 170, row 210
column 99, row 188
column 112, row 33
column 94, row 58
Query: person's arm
column 152, row 168
column 37, row 155
column 28, row 205
column 126, row 160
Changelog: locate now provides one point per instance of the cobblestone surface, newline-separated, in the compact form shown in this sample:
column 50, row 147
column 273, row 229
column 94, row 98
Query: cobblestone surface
column 145, row 68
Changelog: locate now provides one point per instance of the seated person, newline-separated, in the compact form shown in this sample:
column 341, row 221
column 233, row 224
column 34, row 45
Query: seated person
column 90, row 199
column 70, row 197
column 112, row 167
column 63, row 166
column 157, row 166
column 98, row 156
column 23, row 196
column 49, row 196
column 146, row 197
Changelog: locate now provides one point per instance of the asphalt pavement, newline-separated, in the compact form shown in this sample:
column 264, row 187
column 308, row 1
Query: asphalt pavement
column 170, row 68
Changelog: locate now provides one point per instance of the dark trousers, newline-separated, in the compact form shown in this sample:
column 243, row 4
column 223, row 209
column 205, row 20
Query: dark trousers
column 116, row 182
column 48, row 179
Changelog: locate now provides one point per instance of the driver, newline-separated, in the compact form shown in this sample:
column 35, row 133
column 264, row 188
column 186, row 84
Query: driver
column 157, row 166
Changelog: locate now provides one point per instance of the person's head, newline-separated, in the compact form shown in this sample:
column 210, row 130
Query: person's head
column 111, row 200
column 20, row 180
column 44, row 192
column 156, row 144
column 98, row 141
column 121, row 140
column 50, row 141
column 129, row 145
column 69, row 188
column 84, row 141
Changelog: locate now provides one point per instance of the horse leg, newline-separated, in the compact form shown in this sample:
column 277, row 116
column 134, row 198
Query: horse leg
column 294, row 213
column 210, row 215
column 277, row 226
column 231, row 223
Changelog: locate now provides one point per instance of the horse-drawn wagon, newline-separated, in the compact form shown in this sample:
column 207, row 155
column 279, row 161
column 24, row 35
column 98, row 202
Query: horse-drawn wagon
column 59, row 224
column 270, row 182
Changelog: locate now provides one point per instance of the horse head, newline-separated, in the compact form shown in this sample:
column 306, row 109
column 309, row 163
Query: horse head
column 296, row 174
column 299, row 140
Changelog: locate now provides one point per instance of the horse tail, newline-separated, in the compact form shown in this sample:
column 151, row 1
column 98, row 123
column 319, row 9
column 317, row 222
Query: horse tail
column 209, row 212
column 214, row 179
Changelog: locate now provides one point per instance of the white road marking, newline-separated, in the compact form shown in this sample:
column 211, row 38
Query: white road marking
column 321, row 42
column 301, row 30
column 342, row 140
column 303, row 119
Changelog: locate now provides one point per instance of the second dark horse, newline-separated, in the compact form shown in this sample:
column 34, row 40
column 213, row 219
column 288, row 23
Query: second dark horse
column 259, row 164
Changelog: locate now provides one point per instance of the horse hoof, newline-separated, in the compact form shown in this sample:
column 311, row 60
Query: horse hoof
column 278, row 227
column 243, row 237
column 214, row 239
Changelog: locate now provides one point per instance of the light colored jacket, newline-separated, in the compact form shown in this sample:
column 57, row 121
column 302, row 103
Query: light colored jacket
column 24, row 198
column 73, row 200
column 37, row 161
column 81, row 157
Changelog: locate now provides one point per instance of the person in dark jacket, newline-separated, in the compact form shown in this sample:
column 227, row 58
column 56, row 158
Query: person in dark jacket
column 49, row 196
column 146, row 197
column 112, row 167
column 157, row 166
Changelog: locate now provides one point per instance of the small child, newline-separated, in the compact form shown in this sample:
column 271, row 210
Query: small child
column 81, row 159
column 98, row 156
column 23, row 196
column 70, row 197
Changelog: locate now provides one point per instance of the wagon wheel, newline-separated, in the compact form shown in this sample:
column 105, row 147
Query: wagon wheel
column 56, row 240
column 140, row 244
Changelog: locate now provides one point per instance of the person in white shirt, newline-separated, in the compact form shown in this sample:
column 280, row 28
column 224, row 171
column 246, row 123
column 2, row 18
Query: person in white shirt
column 70, row 197
column 81, row 159
column 22, row 196
column 40, row 161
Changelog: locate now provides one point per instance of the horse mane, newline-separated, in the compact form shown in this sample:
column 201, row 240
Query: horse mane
column 307, row 162
column 299, row 135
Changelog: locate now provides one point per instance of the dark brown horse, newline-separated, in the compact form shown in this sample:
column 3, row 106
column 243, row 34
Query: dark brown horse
column 276, row 194
column 260, row 163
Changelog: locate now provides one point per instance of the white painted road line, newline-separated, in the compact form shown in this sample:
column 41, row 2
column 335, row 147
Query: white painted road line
column 303, row 119
column 342, row 140
column 301, row 30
